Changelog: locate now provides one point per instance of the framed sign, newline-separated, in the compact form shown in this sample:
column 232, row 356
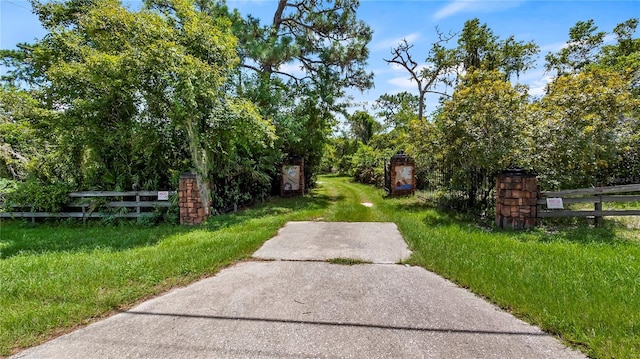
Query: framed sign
column 291, row 178
column 403, row 178
column 163, row 195
column 555, row 203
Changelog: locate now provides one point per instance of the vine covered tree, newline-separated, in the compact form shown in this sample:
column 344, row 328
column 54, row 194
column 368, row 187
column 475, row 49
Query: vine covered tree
column 140, row 96
column 310, row 51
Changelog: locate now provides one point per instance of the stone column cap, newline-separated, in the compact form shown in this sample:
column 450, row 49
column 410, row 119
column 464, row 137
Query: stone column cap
column 518, row 171
column 188, row 175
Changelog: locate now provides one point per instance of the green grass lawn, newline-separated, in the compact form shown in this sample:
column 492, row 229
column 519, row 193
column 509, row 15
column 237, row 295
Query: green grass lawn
column 579, row 283
column 56, row 277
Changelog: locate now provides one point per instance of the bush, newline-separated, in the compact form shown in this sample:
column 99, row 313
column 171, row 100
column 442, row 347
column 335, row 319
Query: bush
column 368, row 165
column 43, row 197
column 8, row 185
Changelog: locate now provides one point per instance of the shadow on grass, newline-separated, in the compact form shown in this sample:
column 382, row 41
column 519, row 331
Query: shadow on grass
column 439, row 219
column 21, row 237
column 274, row 206
column 578, row 231
column 434, row 216
column 582, row 234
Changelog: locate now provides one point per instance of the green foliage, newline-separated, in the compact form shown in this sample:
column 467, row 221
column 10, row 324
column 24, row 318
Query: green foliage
column 41, row 196
column 7, row 185
column 478, row 49
column 19, row 141
column 368, row 165
column 363, row 126
column 338, row 154
column 397, row 110
column 584, row 131
column 587, row 126
column 581, row 50
column 302, row 107
column 138, row 97
column 485, row 123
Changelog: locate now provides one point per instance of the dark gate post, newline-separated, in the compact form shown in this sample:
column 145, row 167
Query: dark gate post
column 402, row 178
column 516, row 199
column 292, row 177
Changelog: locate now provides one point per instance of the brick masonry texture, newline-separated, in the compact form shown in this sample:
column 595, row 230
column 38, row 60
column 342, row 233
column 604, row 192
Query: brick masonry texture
column 192, row 210
column 517, row 194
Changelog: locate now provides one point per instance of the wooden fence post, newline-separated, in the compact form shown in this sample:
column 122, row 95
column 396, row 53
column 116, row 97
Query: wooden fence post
column 598, row 207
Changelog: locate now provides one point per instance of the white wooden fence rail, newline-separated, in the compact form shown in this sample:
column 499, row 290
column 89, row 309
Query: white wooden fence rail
column 597, row 196
column 82, row 207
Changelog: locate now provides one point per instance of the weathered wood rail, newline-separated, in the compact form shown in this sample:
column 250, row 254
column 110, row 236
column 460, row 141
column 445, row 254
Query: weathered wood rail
column 82, row 206
column 597, row 196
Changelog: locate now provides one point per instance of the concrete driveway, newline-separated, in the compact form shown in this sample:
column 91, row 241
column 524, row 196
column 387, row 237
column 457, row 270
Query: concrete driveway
column 296, row 306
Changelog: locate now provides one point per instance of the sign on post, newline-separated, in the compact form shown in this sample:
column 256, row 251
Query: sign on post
column 292, row 177
column 163, row 195
column 555, row 203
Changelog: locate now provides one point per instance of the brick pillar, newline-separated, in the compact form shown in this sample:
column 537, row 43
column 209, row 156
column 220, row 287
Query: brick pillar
column 192, row 211
column 516, row 197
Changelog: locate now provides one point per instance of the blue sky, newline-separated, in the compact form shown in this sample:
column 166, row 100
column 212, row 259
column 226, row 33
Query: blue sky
column 545, row 22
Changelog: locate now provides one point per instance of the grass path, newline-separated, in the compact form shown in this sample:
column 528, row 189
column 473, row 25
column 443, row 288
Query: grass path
column 582, row 284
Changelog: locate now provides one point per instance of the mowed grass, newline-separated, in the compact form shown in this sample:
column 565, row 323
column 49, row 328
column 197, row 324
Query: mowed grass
column 581, row 284
column 54, row 278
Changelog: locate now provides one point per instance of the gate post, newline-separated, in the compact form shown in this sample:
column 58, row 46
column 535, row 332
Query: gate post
column 292, row 183
column 516, row 199
column 401, row 175
column 192, row 209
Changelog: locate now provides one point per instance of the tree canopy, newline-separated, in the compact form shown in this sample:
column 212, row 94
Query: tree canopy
column 117, row 96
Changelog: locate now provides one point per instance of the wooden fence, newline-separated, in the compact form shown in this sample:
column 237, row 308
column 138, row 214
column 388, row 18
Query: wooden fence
column 89, row 204
column 597, row 196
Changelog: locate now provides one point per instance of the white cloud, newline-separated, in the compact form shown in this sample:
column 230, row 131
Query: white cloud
column 537, row 80
column 453, row 8
column 403, row 83
column 387, row 44
column 553, row 47
column 403, row 80
column 537, row 88
column 293, row 68
column 467, row 6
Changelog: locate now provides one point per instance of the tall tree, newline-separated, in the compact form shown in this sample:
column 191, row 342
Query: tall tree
column 483, row 128
column 478, row 48
column 581, row 50
column 363, row 126
column 624, row 55
column 440, row 63
column 397, row 110
column 588, row 122
column 297, row 65
column 125, row 82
